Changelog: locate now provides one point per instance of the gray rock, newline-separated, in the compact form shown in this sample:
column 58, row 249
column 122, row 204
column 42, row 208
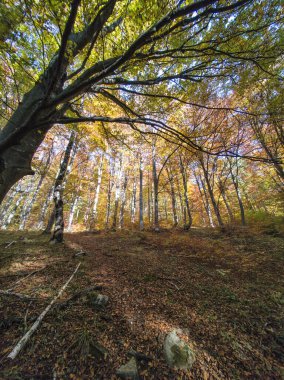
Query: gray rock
column 97, row 301
column 101, row 300
column 177, row 353
column 129, row 370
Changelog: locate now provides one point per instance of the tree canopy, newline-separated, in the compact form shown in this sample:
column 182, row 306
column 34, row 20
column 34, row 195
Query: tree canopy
column 146, row 58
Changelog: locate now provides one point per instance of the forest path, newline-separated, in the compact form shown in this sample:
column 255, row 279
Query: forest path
column 225, row 292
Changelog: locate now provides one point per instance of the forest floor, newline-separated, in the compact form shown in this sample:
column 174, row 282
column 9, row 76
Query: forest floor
column 225, row 290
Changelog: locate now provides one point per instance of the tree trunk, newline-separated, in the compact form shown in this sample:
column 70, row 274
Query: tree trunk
column 109, row 192
column 72, row 213
column 64, row 170
column 123, row 201
column 223, row 193
column 236, row 186
column 173, row 197
column 58, row 231
column 241, row 205
column 188, row 219
column 133, row 202
column 94, row 217
column 156, row 192
column 205, row 199
column 149, row 200
column 117, row 194
column 141, row 218
column 211, row 194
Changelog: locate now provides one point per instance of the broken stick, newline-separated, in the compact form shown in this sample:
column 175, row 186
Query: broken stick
column 11, row 242
column 22, row 342
column 16, row 295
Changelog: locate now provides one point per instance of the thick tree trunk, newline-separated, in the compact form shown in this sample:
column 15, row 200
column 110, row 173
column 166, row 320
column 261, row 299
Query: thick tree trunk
column 64, row 169
column 29, row 207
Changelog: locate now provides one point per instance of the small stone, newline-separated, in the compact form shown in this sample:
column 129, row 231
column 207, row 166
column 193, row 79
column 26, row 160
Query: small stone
column 98, row 301
column 177, row 353
column 129, row 370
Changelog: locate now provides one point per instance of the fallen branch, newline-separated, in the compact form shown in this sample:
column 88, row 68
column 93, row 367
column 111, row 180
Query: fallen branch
column 24, row 278
column 17, row 295
column 11, row 242
column 22, row 342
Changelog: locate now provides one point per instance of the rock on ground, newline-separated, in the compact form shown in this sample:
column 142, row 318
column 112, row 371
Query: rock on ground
column 129, row 370
column 177, row 353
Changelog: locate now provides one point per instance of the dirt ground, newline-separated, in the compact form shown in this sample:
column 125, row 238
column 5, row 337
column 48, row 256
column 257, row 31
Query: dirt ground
column 225, row 290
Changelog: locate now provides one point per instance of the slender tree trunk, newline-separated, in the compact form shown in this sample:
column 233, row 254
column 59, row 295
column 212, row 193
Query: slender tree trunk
column 72, row 213
column 249, row 202
column 181, row 203
column 188, row 219
column 223, row 193
column 123, row 202
column 97, row 194
column 109, row 193
column 204, row 198
column 27, row 210
column 133, row 202
column 57, row 236
column 211, row 194
column 19, row 204
column 236, row 186
column 173, row 197
column 12, row 212
column 241, row 205
column 117, row 194
column 141, row 217
column 166, row 209
column 90, row 199
column 156, row 192
column 149, row 201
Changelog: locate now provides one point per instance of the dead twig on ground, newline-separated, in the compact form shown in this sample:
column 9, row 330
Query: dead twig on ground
column 24, row 278
column 17, row 295
column 22, row 342
column 10, row 243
